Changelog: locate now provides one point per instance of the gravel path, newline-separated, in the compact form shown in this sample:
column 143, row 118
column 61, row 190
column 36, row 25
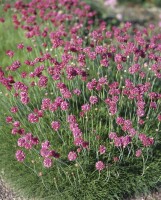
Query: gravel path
column 6, row 193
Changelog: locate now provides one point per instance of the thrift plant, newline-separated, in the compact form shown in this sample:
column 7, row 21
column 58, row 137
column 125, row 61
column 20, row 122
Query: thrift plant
column 83, row 100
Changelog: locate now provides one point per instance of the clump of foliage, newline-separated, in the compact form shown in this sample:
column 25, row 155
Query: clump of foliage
column 82, row 104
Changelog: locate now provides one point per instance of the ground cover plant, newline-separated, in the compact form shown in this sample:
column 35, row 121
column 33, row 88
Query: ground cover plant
column 80, row 103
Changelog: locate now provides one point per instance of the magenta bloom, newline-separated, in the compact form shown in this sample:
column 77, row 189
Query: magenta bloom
column 125, row 140
column 120, row 120
column 10, row 53
column 45, row 144
column 21, row 142
column 16, row 124
column 20, row 155
column 45, row 104
column 20, row 46
column 14, row 131
column 102, row 149
column 64, row 105
column 86, row 107
column 71, row 119
column 77, row 92
column 55, row 125
column 33, row 118
column 9, row 119
column 100, row 165
column 43, row 81
column 72, row 156
column 159, row 117
column 138, row 153
column 93, row 99
column 14, row 109
column 47, row 162
column 112, row 135
column 45, row 152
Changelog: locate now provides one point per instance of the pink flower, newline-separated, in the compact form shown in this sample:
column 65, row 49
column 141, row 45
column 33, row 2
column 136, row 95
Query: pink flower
column 29, row 49
column 16, row 124
column 9, row 119
column 45, row 104
column 14, row 131
column 23, row 74
column 102, row 149
column 54, row 154
column 112, row 135
column 153, row 105
column 40, row 113
column 72, row 156
column 125, row 140
column 138, row 153
column 78, row 141
column 85, row 144
column 127, row 125
column 15, row 65
column 45, row 144
column 120, row 120
column 99, row 165
column 55, row 125
column 20, row 46
column 140, row 112
column 64, row 105
column 86, row 107
column 45, row 152
column 77, row 92
column 58, row 101
column 159, row 118
column 71, row 119
column 21, row 142
column 132, row 132
column 10, row 53
column 47, row 162
column 20, row 155
column 93, row 99
column 33, row 118
column 43, row 81
column 53, row 107
column 118, row 141
column 2, row 20
column 14, row 109
column 146, row 140
column 141, row 122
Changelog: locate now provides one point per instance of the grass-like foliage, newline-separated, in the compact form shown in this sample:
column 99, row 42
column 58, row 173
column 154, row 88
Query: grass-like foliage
column 80, row 103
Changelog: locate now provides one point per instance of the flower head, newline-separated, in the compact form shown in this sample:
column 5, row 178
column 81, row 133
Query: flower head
column 47, row 162
column 100, row 165
column 72, row 156
column 20, row 155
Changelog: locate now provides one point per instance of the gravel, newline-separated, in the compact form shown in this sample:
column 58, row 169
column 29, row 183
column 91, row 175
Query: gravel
column 6, row 193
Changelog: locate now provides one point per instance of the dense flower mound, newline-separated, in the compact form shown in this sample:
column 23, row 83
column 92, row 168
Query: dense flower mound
column 85, row 98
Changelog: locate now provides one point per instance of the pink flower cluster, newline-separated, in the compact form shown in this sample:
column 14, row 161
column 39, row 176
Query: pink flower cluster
column 48, row 154
column 20, row 155
column 27, row 141
column 88, row 79
column 77, row 133
column 34, row 117
column 72, row 156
